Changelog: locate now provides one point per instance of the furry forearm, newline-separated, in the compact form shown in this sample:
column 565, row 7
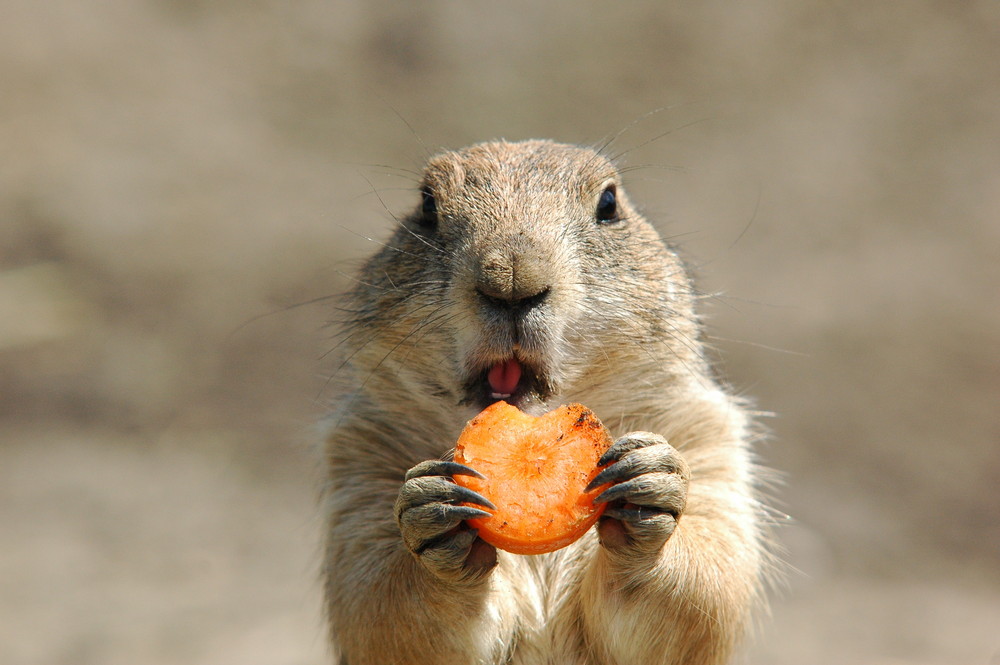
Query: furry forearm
column 384, row 607
column 691, row 603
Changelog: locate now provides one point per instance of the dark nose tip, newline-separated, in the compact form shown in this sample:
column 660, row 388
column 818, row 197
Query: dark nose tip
column 514, row 300
column 513, row 277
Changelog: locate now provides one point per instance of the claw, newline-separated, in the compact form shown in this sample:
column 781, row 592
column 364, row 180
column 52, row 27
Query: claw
column 467, row 512
column 426, row 490
column 442, row 468
column 660, row 492
column 466, row 495
column 628, row 443
column 619, row 491
column 614, row 473
column 638, row 455
column 434, row 523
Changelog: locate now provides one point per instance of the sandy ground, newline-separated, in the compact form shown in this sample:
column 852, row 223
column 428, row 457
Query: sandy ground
column 183, row 184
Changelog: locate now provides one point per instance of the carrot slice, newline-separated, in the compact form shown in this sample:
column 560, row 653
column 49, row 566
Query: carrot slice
column 536, row 470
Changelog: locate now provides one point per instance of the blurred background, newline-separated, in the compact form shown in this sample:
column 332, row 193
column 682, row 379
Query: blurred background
column 184, row 184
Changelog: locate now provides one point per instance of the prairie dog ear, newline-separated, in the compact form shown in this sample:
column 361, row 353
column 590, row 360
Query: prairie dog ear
column 444, row 175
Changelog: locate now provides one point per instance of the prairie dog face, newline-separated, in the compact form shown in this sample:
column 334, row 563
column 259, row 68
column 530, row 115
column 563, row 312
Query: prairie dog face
column 524, row 274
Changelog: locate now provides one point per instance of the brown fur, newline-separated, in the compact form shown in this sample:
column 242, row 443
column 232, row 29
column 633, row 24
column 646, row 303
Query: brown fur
column 618, row 333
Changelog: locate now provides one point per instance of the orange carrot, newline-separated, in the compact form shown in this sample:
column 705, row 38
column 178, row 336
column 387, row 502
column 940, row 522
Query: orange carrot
column 536, row 470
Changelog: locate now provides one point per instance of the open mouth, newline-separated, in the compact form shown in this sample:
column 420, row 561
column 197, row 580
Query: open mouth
column 510, row 380
column 503, row 378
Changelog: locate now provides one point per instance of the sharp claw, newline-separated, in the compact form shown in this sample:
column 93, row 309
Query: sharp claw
column 603, row 496
column 614, row 492
column 617, row 472
column 605, row 476
column 609, row 456
column 442, row 468
column 626, row 444
column 456, row 469
column 465, row 494
column 467, row 512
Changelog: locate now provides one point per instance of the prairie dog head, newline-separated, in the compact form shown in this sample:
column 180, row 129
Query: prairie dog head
column 524, row 274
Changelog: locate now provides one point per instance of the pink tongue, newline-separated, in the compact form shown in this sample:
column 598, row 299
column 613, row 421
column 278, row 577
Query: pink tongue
column 503, row 377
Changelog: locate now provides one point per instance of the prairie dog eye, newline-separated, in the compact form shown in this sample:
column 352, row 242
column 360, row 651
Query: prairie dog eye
column 607, row 206
column 428, row 208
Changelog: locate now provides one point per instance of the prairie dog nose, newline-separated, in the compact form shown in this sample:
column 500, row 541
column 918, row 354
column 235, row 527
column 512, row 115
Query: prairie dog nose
column 513, row 279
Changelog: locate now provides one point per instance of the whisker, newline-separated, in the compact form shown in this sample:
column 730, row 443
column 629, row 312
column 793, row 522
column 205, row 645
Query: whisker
column 616, row 158
column 758, row 345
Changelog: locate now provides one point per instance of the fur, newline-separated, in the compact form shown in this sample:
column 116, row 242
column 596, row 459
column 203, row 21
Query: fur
column 617, row 331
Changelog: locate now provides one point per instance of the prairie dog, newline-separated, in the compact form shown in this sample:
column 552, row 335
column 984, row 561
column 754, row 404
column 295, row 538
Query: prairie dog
column 525, row 274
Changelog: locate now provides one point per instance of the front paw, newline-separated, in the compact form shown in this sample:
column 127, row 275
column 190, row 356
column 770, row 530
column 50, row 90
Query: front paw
column 432, row 523
column 647, row 497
